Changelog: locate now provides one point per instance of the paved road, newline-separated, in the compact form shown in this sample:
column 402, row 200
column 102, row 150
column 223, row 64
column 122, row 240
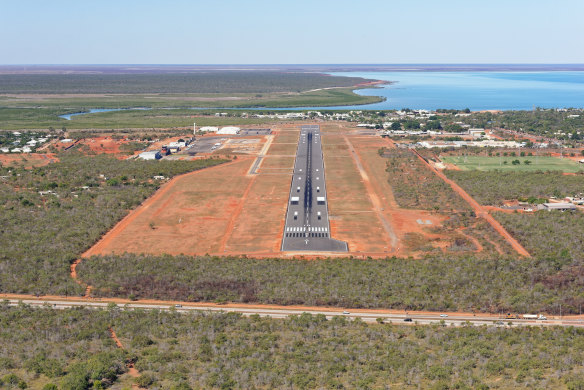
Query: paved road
column 367, row 316
column 307, row 225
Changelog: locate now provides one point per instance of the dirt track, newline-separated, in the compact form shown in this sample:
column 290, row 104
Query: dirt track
column 132, row 371
column 374, row 198
column 479, row 210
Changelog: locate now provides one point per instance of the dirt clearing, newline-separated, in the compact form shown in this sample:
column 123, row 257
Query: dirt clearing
column 27, row 160
column 220, row 210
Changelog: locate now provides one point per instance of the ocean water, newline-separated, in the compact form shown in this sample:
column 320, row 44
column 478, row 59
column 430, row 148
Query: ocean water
column 474, row 90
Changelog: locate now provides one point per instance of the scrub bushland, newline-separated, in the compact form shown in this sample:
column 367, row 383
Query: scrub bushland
column 71, row 349
column 50, row 215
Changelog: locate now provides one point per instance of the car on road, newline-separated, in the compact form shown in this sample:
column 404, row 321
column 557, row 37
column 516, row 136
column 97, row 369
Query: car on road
column 346, row 312
column 177, row 305
column 407, row 319
column 443, row 315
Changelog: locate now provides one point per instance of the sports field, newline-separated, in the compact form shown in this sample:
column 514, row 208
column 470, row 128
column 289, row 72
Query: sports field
column 539, row 163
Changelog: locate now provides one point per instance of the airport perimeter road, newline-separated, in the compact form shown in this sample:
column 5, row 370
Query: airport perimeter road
column 284, row 312
column 307, row 222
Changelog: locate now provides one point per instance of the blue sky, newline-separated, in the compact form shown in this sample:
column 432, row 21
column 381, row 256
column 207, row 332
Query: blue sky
column 290, row 32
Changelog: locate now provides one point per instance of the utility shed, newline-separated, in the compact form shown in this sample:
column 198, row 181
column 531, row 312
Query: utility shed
column 557, row 206
column 153, row 155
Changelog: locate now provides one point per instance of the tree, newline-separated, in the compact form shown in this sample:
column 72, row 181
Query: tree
column 433, row 125
column 397, row 126
column 411, row 124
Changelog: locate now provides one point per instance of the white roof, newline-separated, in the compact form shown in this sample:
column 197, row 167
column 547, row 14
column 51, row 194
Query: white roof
column 294, row 199
column 229, row 130
column 320, row 198
column 559, row 205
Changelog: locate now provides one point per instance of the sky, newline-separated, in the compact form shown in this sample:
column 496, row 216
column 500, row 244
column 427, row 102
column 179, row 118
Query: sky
column 291, row 32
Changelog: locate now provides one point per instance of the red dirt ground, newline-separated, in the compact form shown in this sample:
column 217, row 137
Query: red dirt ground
column 225, row 210
column 29, row 160
column 219, row 210
column 404, row 222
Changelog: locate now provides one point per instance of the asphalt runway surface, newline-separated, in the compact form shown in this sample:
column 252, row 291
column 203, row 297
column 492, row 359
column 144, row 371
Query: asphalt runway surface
column 307, row 225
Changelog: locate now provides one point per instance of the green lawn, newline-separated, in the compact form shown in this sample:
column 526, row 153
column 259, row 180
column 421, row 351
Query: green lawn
column 539, row 163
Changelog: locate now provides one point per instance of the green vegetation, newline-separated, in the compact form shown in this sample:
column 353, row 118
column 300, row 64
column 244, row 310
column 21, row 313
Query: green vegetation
column 51, row 97
column 563, row 125
column 527, row 163
column 50, row 215
column 415, row 186
column 447, row 282
column 45, row 118
column 70, row 349
column 554, row 234
column 45, row 113
column 491, row 188
column 132, row 147
column 195, row 82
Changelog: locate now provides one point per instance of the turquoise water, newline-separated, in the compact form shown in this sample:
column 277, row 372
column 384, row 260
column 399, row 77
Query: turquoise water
column 475, row 90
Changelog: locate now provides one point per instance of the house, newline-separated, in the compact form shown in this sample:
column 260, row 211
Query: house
column 152, row 155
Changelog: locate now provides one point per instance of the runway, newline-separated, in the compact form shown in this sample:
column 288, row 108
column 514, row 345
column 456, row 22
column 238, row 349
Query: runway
column 307, row 225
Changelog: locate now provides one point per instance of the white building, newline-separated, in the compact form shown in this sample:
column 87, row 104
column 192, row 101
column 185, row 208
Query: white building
column 153, row 155
column 557, row 206
column 208, row 129
column 476, row 132
column 229, row 130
